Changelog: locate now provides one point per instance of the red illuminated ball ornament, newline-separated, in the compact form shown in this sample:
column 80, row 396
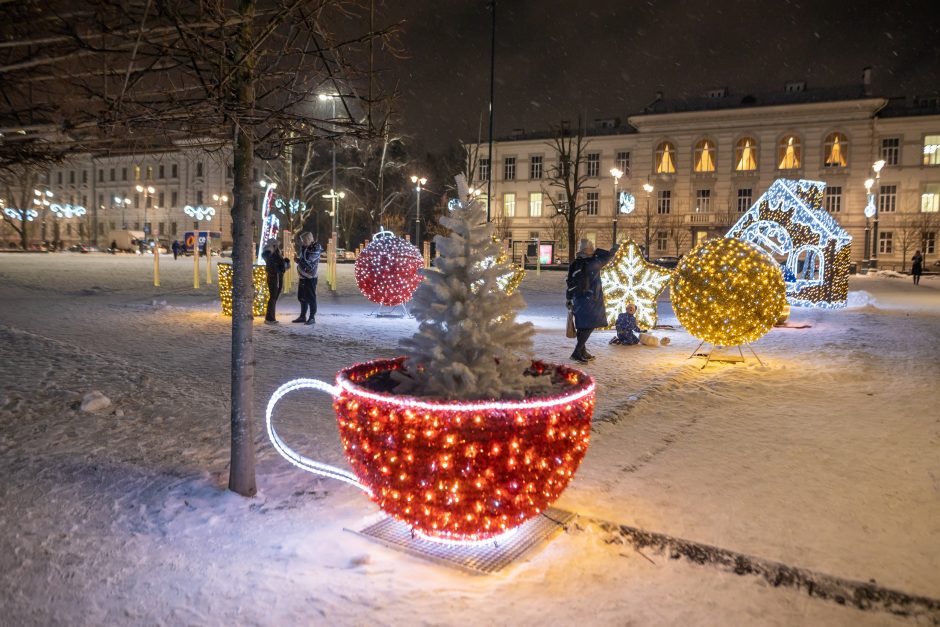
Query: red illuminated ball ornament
column 387, row 270
column 463, row 470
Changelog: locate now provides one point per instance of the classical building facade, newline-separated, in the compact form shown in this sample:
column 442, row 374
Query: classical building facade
column 693, row 167
column 141, row 192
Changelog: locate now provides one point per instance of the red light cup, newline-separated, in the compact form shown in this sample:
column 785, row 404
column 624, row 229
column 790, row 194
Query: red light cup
column 468, row 470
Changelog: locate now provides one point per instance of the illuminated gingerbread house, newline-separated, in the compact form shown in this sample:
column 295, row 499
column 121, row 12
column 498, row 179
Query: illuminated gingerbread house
column 789, row 223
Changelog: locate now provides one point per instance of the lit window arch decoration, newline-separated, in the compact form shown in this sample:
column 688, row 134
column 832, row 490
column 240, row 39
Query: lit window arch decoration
column 745, row 155
column 27, row 215
column 199, row 212
column 387, row 269
column 67, row 211
column 630, row 278
column 789, row 153
column 836, row 150
column 666, row 158
column 704, row 156
column 788, row 221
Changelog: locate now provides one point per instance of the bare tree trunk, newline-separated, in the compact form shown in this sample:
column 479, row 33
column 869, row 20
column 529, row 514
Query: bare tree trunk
column 242, row 469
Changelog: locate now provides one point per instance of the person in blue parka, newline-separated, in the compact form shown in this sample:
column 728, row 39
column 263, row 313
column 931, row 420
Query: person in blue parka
column 585, row 295
column 627, row 327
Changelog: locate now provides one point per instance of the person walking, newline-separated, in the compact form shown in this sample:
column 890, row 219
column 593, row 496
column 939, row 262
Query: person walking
column 176, row 249
column 917, row 266
column 274, row 266
column 585, row 295
column 308, row 263
column 113, row 246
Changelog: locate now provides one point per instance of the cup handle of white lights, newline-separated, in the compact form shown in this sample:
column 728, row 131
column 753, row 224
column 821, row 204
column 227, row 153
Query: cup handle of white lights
column 293, row 456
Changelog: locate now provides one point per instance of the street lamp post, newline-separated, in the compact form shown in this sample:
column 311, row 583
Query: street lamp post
column 122, row 202
column 334, row 239
column 222, row 199
column 148, row 193
column 419, row 181
column 332, row 98
column 41, row 200
column 616, row 173
column 876, row 166
column 649, row 190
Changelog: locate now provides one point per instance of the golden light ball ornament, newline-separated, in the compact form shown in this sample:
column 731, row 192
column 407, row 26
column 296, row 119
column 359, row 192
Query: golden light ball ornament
column 727, row 292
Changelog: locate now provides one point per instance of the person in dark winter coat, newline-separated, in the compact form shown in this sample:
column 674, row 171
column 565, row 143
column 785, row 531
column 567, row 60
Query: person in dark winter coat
column 586, row 296
column 917, row 267
column 626, row 326
column 308, row 263
column 274, row 266
column 176, row 249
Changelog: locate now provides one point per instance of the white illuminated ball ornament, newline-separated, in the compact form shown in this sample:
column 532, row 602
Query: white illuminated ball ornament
column 387, row 270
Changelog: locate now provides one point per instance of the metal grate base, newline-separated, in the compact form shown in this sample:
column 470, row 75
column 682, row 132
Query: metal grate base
column 479, row 559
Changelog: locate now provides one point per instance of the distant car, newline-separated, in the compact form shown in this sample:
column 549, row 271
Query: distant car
column 78, row 248
column 666, row 262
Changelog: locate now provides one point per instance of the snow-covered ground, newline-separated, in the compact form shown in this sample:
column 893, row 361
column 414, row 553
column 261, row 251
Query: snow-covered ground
column 826, row 458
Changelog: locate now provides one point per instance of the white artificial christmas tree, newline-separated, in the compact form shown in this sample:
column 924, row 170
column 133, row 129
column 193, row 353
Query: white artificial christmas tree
column 468, row 345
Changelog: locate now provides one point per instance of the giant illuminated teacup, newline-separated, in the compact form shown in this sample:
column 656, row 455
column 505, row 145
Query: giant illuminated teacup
column 454, row 470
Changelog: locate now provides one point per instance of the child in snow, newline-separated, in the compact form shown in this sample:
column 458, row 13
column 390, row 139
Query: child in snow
column 626, row 326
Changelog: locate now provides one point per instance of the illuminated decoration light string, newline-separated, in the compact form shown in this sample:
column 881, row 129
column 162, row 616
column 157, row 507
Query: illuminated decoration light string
column 870, row 208
column 270, row 225
column 290, row 206
column 788, row 221
column 627, row 202
column 293, row 456
column 15, row 214
column 630, row 278
column 387, row 269
column 728, row 292
column 67, row 211
column 510, row 281
column 199, row 212
column 260, row 280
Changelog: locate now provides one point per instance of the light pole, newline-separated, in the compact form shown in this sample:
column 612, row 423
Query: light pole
column 222, row 199
column 419, row 181
column 876, row 166
column 616, row 173
column 334, row 239
column 332, row 98
column 122, row 202
column 42, row 199
column 649, row 218
column 148, row 193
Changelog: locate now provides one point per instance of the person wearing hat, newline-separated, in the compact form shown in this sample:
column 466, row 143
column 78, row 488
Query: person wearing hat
column 308, row 263
column 274, row 265
column 585, row 295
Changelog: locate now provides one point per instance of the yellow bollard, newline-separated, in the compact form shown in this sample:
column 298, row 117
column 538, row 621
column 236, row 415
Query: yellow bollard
column 427, row 254
column 196, row 262
column 208, row 264
column 156, row 264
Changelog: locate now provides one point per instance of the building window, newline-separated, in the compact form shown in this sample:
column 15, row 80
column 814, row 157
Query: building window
column 161, row 172
column 509, row 205
column 137, row 225
column 509, row 168
column 535, row 204
column 745, row 155
column 888, row 198
column 662, row 240
column 101, row 201
column 196, row 225
column 71, row 177
column 745, row 199
column 123, row 174
column 198, row 196
column 101, row 228
column 891, row 150
column 111, row 175
column 561, row 203
column 665, row 158
column 136, row 172
column 885, row 242
column 199, row 169
column 535, row 167
column 101, row 176
column 59, row 177
column 149, row 172
column 137, row 201
column 704, row 156
column 930, row 242
column 832, row 198
column 623, row 161
column 932, row 150
column 930, row 198
column 160, row 198
column 160, row 226
column 484, row 169
column 174, row 173
column 789, row 155
column 174, row 198
column 149, row 200
column 703, row 200
column 68, row 228
column 663, row 201
column 112, row 225
column 594, row 164
column 592, row 203
column 836, row 147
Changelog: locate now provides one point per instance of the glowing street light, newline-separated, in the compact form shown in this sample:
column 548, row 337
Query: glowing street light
column 419, row 181
column 616, row 173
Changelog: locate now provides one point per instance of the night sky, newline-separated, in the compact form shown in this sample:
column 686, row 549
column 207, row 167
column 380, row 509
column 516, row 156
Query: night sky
column 608, row 58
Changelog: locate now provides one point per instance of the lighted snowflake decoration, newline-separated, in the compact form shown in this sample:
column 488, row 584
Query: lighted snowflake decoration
column 67, row 211
column 290, row 206
column 629, row 278
column 199, row 213
column 29, row 215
